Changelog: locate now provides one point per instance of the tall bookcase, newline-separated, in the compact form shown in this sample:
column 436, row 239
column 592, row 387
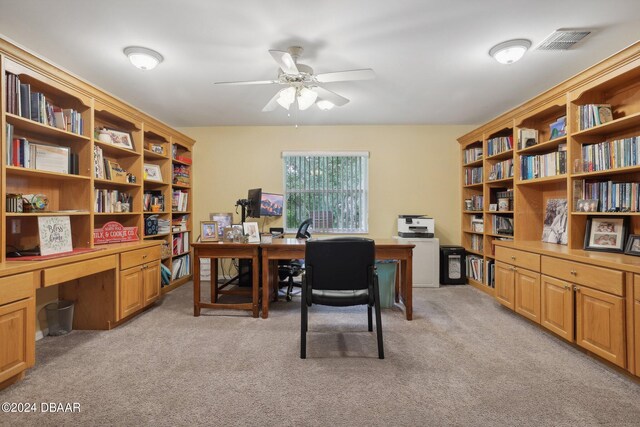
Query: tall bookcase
column 45, row 107
column 615, row 82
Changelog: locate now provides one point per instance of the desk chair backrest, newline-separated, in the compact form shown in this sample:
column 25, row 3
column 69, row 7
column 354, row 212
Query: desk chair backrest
column 343, row 263
column 303, row 230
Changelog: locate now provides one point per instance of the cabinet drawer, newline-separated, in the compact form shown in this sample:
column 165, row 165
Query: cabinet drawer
column 138, row 257
column 17, row 287
column 76, row 270
column 603, row 279
column 527, row 260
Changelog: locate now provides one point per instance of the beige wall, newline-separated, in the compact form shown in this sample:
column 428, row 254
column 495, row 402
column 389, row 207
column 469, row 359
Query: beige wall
column 412, row 169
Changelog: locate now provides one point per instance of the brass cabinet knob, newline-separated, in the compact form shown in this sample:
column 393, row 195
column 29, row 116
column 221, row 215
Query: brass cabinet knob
column 513, row 257
column 574, row 273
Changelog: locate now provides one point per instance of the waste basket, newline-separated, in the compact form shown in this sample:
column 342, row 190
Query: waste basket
column 59, row 317
column 386, row 282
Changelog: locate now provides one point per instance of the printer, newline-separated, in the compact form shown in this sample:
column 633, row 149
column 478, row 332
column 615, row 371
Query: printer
column 416, row 226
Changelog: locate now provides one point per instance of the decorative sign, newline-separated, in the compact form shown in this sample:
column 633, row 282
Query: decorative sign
column 113, row 232
column 55, row 234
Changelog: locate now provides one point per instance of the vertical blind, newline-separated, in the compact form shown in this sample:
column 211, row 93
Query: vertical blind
column 331, row 188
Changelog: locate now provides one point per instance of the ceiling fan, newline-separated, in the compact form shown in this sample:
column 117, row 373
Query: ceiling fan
column 302, row 84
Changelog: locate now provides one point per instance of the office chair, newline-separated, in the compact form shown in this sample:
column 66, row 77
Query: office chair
column 288, row 270
column 340, row 272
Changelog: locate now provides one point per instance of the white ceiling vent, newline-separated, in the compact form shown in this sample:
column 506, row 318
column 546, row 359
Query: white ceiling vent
column 562, row 39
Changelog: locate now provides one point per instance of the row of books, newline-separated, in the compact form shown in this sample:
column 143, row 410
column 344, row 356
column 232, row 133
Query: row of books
column 477, row 243
column 475, row 268
column 527, row 137
column 179, row 223
column 502, row 225
column 473, row 176
column 472, row 154
column 477, row 203
column 33, row 105
column 180, row 243
column 491, row 273
column 49, row 158
column 181, row 174
column 152, row 197
column 611, row 196
column 591, row 115
column 179, row 201
column 477, row 224
column 499, row 144
column 607, row 155
column 543, row 165
column 110, row 201
column 180, row 267
column 501, row 170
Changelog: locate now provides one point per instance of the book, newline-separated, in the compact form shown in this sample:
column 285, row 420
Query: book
column 527, row 137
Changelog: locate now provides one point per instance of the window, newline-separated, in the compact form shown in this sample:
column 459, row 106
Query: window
column 330, row 188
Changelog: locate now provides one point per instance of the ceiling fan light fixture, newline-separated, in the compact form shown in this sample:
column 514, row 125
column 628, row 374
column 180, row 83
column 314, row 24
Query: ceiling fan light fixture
column 306, row 98
column 142, row 57
column 287, row 97
column 510, row 51
column 325, row 105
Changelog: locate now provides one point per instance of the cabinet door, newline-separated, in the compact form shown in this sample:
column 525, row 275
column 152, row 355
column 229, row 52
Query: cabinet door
column 636, row 309
column 556, row 312
column 600, row 324
column 151, row 279
column 131, row 292
column 528, row 294
column 17, row 335
column 505, row 285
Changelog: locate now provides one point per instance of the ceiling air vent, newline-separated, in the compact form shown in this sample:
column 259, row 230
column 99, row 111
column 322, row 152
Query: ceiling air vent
column 562, row 39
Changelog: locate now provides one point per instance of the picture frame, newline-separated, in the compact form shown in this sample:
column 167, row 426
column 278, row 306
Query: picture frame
column 587, row 205
column 492, row 176
column 252, row 231
column 152, row 172
column 606, row 234
column 120, row 139
column 493, row 207
column 209, row 231
column 224, row 219
column 633, row 245
column 54, row 234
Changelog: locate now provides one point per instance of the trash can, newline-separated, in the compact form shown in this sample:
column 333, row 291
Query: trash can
column 59, row 317
column 452, row 265
column 386, row 282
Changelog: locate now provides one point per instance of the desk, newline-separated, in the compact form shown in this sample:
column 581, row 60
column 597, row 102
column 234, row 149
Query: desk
column 213, row 251
column 284, row 249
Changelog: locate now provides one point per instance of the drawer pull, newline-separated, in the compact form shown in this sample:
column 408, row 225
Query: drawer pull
column 144, row 256
column 574, row 273
column 513, row 257
column 567, row 287
column 577, row 289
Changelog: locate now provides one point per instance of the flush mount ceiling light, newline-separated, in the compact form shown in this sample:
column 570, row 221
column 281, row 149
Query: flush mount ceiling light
column 143, row 58
column 510, row 51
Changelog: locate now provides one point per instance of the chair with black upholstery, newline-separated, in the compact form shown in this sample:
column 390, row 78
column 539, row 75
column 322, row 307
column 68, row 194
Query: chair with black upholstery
column 340, row 272
column 288, row 270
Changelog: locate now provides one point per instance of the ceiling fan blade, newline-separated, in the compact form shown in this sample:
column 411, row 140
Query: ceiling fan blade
column 272, row 104
column 344, row 76
column 285, row 61
column 251, row 82
column 330, row 96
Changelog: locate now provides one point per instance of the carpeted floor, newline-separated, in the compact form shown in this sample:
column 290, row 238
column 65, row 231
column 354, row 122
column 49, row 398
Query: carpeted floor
column 464, row 360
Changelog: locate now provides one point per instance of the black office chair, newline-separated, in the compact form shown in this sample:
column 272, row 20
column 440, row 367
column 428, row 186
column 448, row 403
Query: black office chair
column 288, row 270
column 340, row 272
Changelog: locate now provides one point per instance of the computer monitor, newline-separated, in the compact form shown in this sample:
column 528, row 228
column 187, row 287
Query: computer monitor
column 271, row 204
column 253, row 208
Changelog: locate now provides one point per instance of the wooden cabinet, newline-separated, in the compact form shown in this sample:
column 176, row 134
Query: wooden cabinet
column 151, row 283
column 505, row 285
column 557, row 307
column 636, row 310
column 131, row 291
column 527, row 287
column 17, row 331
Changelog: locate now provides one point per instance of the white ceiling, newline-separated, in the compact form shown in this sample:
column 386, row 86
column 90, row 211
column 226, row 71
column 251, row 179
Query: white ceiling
column 430, row 57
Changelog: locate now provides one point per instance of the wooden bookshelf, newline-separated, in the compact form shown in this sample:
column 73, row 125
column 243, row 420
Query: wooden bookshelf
column 181, row 182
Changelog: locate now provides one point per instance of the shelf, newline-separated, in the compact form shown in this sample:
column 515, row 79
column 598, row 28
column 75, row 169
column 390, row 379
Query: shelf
column 42, row 129
column 155, row 183
column 500, row 181
column 148, row 154
column 151, row 236
column 156, row 213
column 180, row 162
column 543, row 146
column 546, row 179
column 473, row 232
column 472, row 212
column 605, row 213
column 181, row 186
column 180, row 232
column 607, row 172
column 181, row 212
column 110, row 183
column 45, row 213
column 502, row 155
column 116, row 213
column 16, row 170
column 623, row 123
column 509, row 236
column 182, row 254
column 473, row 185
column 176, row 284
column 481, row 286
column 115, row 151
column 499, row 212
column 474, row 163
column 471, row 251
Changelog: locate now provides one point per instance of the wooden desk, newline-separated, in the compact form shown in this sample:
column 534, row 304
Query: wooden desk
column 213, row 251
column 283, row 249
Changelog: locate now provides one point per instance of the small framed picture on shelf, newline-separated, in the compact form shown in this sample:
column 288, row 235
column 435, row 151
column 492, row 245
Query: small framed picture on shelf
column 252, row 231
column 492, row 176
column 118, row 138
column 493, row 207
column 209, row 231
column 606, row 234
column 633, row 245
column 587, row 205
column 152, row 172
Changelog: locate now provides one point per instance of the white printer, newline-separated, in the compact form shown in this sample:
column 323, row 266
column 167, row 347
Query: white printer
column 416, row 226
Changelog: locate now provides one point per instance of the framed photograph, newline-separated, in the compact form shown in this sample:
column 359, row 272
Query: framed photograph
column 606, row 234
column 633, row 245
column 120, row 139
column 252, row 231
column 224, row 219
column 493, row 207
column 227, row 234
column 587, row 205
column 554, row 229
column 209, row 231
column 492, row 176
column 152, row 172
